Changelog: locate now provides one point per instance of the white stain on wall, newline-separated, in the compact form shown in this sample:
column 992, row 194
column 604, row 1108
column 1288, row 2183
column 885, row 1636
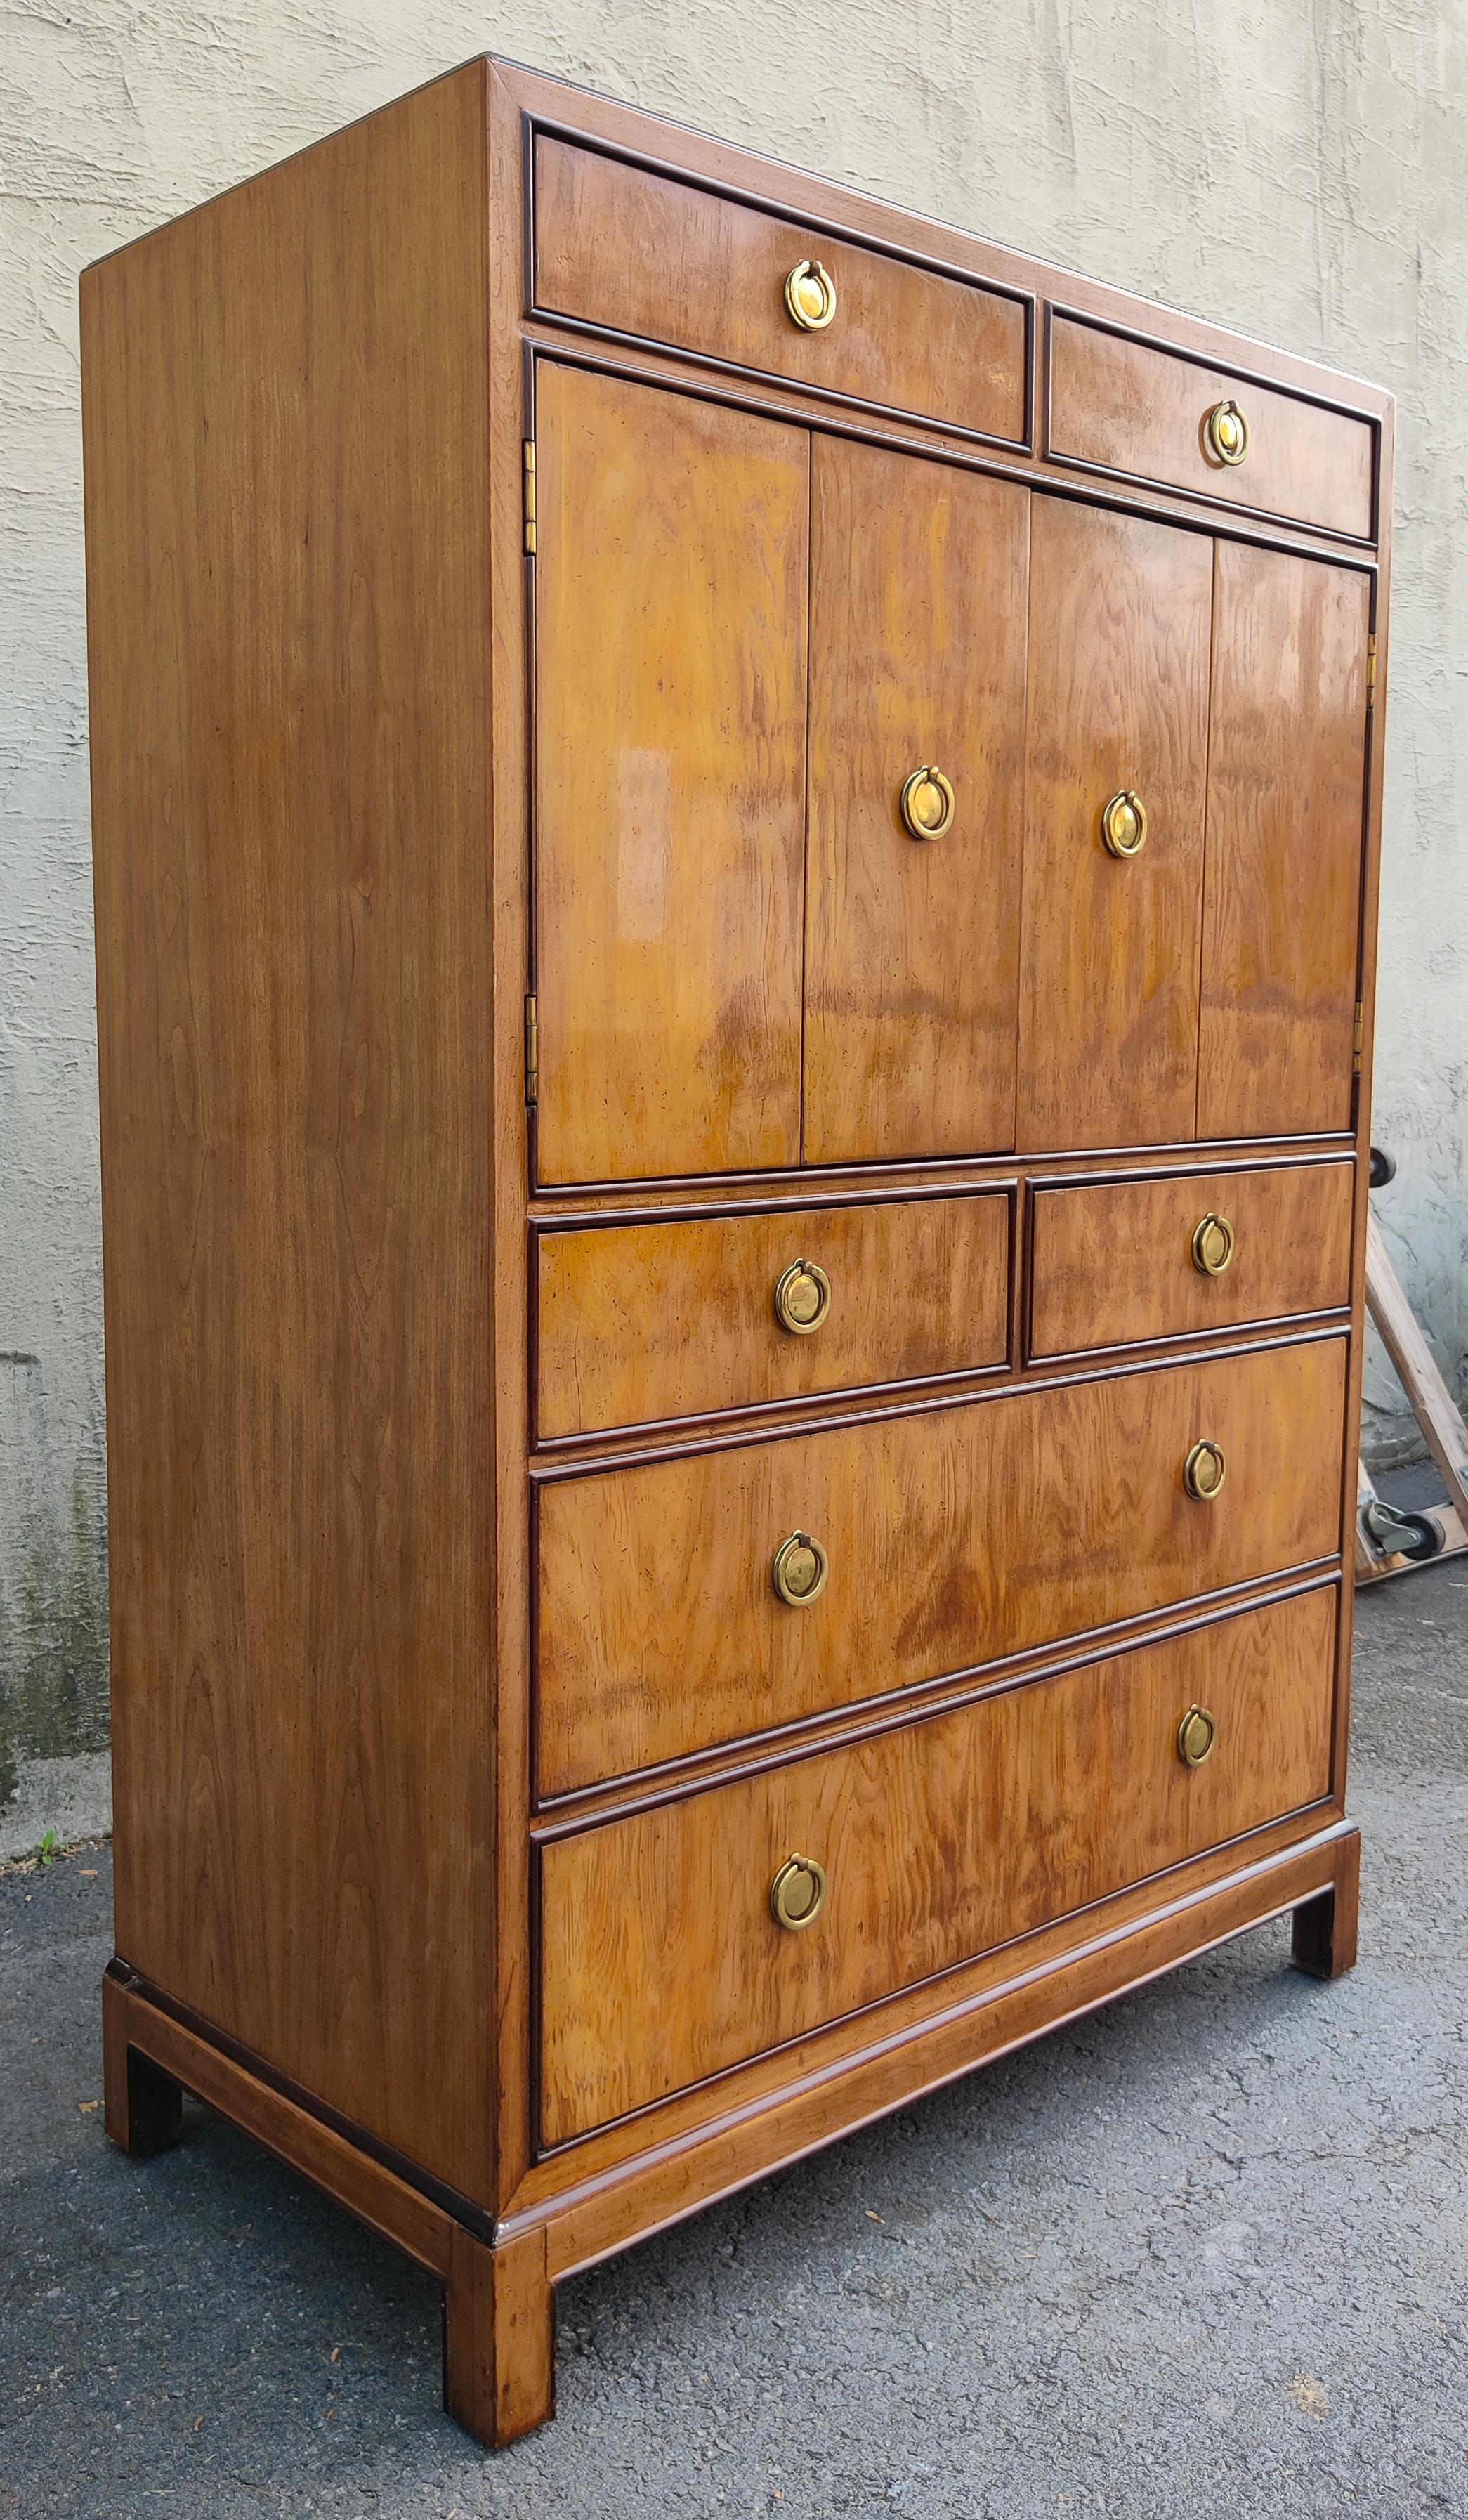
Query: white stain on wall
column 1292, row 167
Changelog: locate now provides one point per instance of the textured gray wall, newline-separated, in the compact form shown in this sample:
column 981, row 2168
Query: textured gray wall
column 1294, row 168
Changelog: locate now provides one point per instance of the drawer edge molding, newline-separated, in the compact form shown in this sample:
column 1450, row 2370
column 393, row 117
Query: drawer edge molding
column 1231, row 502
column 592, row 2217
column 1111, row 1261
column 537, row 126
column 556, row 1815
column 658, row 1324
column 663, row 1917
column 1061, row 1374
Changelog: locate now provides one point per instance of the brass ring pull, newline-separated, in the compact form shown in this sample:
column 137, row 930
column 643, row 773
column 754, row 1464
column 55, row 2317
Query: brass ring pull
column 802, row 1297
column 797, row 1893
column 1196, row 1735
column 810, row 296
column 1204, row 1471
column 800, row 1569
column 1226, row 434
column 926, row 802
column 1213, row 1244
column 1124, row 823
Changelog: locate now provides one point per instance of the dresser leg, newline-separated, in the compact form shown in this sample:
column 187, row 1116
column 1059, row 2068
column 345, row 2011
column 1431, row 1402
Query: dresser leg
column 1324, row 1938
column 498, row 2338
column 144, row 2106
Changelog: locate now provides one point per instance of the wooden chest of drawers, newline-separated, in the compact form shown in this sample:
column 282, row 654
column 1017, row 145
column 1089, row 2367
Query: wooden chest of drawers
column 736, row 849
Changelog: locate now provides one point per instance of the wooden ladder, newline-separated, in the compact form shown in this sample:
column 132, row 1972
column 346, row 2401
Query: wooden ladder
column 1437, row 1414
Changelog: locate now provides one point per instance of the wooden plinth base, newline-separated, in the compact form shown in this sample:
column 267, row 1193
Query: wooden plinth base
column 499, row 2278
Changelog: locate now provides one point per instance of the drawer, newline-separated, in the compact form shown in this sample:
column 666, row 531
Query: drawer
column 682, row 1319
column 952, row 1536
column 1126, row 408
column 1118, row 1261
column 668, row 262
column 662, row 1961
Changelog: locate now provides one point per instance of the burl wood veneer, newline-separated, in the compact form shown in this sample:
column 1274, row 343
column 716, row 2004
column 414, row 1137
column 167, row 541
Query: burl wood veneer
column 735, row 856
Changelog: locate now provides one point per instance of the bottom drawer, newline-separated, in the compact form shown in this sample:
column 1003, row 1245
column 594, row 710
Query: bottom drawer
column 661, row 1957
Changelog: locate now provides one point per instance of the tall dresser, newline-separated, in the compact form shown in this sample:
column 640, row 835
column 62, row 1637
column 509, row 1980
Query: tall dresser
column 735, row 861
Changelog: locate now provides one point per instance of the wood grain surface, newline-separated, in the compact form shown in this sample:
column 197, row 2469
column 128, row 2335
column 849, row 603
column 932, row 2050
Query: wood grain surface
column 1108, row 1005
column 365, row 775
column 1286, row 802
column 954, row 1536
column 1142, row 411
column 642, row 254
column 662, row 1963
column 918, row 608
column 671, row 603
column 676, row 1319
column 1112, row 1262
column 285, row 405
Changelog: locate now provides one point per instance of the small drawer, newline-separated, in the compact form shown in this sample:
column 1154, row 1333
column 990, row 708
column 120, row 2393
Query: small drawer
column 664, row 1959
column 692, row 1602
column 1126, row 408
column 668, row 262
column 1115, row 1263
column 638, row 1323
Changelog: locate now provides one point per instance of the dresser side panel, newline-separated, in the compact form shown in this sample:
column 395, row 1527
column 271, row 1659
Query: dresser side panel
column 287, row 480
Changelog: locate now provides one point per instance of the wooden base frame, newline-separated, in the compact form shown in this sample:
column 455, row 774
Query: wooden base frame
column 499, row 2278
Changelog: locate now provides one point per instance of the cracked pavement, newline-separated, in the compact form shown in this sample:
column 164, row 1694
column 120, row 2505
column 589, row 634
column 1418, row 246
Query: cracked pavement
column 1207, row 2250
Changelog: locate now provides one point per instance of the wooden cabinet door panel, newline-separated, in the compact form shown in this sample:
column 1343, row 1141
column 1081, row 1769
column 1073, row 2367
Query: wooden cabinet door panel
column 671, row 609
column 662, row 1963
column 917, row 656
column 1120, row 612
column 1286, row 784
column 955, row 1536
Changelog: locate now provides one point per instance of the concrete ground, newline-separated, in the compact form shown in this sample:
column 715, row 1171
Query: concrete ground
column 1206, row 2253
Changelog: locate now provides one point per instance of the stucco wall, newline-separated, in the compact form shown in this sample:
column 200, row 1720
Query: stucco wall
column 1294, row 168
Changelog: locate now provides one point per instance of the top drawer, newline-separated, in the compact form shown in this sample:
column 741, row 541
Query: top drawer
column 644, row 254
column 1126, row 408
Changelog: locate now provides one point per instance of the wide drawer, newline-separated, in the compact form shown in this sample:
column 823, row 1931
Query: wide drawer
column 952, row 1536
column 1126, row 408
column 668, row 262
column 1117, row 1262
column 673, row 1319
column 662, row 1961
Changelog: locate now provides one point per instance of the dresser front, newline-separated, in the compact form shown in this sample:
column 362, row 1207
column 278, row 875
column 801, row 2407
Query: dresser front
column 948, row 786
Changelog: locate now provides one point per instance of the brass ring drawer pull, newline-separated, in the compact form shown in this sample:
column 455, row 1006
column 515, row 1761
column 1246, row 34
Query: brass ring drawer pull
column 800, row 1569
column 1204, row 1471
column 810, row 296
column 802, row 1297
column 797, row 1893
column 1124, row 823
column 1226, row 434
column 926, row 802
column 1196, row 1735
column 1213, row 1244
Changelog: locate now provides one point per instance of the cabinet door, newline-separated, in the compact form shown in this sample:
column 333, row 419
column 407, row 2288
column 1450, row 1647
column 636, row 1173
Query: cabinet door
column 1286, row 786
column 671, row 609
column 917, row 658
column 1120, row 615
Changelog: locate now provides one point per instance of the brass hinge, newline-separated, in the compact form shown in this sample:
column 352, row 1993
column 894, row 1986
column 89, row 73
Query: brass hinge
column 1358, row 1039
column 529, row 494
column 1371, row 671
column 532, row 1052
